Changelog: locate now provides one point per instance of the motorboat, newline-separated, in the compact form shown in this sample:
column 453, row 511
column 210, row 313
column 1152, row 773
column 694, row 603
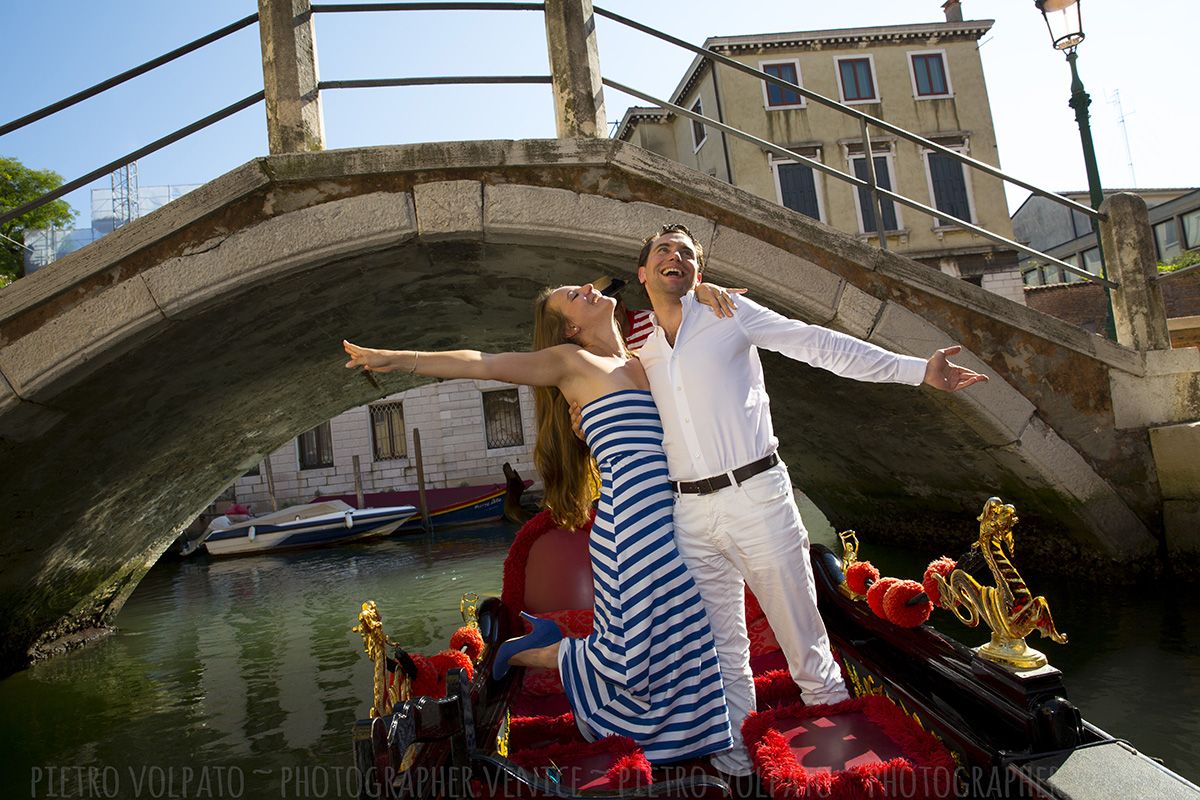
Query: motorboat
column 313, row 525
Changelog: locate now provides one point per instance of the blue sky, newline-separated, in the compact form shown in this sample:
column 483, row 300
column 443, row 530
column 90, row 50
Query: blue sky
column 59, row 47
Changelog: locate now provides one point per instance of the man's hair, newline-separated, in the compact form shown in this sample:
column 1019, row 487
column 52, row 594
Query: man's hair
column 670, row 227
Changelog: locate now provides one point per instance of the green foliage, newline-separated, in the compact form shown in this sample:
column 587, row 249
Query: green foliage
column 1185, row 259
column 19, row 185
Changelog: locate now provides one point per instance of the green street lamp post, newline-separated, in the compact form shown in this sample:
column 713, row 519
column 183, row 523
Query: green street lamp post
column 1066, row 31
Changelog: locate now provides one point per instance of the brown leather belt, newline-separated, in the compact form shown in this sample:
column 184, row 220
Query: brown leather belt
column 718, row 482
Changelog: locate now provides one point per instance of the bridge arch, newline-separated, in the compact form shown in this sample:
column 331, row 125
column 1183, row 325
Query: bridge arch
column 142, row 374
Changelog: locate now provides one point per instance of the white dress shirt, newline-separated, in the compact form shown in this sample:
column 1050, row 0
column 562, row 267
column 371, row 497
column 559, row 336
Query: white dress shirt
column 709, row 388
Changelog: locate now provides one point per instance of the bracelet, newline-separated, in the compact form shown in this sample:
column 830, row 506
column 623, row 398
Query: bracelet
column 414, row 366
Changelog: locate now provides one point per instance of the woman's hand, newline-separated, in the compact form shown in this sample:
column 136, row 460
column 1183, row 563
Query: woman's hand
column 718, row 298
column 374, row 360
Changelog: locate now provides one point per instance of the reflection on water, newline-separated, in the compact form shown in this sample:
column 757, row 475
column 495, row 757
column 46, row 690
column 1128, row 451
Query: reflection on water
column 242, row 677
column 235, row 670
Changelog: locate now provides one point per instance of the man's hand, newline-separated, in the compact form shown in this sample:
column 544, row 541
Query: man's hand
column 718, row 298
column 577, row 421
column 940, row 373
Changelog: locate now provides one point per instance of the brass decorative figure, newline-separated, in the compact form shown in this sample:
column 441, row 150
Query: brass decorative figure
column 467, row 607
column 376, row 644
column 1009, row 608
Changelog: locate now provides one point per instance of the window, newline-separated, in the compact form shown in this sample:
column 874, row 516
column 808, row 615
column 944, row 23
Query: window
column 1191, row 229
column 387, row 431
column 797, row 188
column 929, row 74
column 776, row 96
column 866, row 207
column 1166, row 237
column 948, row 186
column 316, row 447
column 699, row 132
column 1092, row 262
column 856, row 80
column 502, row 418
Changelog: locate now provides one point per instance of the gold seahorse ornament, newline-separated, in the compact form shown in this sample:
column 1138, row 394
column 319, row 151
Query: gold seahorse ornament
column 1009, row 608
column 376, row 642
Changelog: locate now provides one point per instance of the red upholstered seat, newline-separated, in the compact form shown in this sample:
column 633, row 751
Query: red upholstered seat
column 863, row 747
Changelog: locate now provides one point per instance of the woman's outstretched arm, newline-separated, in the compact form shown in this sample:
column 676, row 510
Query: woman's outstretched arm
column 546, row 367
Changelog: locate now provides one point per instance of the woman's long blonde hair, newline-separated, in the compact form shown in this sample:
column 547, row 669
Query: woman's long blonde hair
column 568, row 471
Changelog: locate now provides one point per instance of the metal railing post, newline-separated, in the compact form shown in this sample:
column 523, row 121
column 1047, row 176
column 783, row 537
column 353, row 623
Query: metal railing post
column 869, row 155
column 289, row 54
column 575, row 69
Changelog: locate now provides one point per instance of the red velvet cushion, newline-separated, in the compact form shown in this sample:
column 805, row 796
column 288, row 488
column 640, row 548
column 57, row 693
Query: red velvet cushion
column 863, row 747
column 558, row 572
column 573, row 623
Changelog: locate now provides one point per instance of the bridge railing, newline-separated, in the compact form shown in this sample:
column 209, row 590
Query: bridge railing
column 865, row 121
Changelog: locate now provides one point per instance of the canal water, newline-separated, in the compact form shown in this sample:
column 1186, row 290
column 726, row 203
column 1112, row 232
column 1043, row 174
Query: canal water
column 242, row 677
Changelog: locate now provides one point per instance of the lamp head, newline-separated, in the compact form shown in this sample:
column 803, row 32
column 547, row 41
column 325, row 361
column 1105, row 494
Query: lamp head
column 1063, row 21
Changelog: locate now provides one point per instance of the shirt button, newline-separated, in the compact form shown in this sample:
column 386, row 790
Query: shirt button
column 679, row 388
column 687, row 419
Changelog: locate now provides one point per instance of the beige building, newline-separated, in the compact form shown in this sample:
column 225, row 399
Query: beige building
column 468, row 429
column 927, row 79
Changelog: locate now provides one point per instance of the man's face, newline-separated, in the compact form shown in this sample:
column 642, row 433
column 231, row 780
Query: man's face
column 671, row 269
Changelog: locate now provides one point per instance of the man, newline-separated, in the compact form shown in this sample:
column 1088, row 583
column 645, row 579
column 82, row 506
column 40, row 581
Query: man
column 736, row 522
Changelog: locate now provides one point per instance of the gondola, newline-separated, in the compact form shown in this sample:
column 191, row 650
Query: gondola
column 929, row 716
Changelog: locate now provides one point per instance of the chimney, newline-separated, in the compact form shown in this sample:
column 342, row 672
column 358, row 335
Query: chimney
column 953, row 11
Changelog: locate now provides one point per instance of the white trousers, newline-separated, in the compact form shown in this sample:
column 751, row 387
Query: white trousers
column 752, row 535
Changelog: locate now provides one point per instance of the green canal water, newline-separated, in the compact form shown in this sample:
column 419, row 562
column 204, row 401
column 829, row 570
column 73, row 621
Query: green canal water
column 242, row 677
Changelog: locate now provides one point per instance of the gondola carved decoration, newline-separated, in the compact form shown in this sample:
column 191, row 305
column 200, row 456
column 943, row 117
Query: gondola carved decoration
column 1009, row 608
column 376, row 643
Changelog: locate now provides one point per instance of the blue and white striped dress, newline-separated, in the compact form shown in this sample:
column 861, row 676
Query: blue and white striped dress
column 649, row 670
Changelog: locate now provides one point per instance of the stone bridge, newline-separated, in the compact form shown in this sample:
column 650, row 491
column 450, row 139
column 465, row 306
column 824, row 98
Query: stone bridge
column 141, row 375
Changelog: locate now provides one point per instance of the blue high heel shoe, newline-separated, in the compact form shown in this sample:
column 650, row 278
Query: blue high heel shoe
column 544, row 633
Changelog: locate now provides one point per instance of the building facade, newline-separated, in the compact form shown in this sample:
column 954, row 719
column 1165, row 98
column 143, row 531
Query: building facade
column 927, row 79
column 468, row 430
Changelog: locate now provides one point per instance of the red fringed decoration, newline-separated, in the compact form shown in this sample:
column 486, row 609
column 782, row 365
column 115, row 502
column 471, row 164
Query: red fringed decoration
column 943, row 566
column 895, row 610
column 431, row 672
column 775, row 688
column 629, row 772
column 528, row 732
column 513, row 593
column 875, row 595
column 927, row 770
column 859, row 575
column 469, row 638
column 623, row 751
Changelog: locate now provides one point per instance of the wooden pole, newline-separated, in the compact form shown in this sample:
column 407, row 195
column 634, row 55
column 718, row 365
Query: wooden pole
column 421, row 482
column 358, row 492
column 270, row 483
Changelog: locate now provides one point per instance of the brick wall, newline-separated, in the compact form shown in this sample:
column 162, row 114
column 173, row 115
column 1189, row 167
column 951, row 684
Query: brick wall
column 1086, row 305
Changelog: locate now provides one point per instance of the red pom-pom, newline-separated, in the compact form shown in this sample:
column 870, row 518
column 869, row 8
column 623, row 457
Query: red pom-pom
column 943, row 566
column 859, row 575
column 426, row 682
column 469, row 638
column 875, row 595
column 895, row 610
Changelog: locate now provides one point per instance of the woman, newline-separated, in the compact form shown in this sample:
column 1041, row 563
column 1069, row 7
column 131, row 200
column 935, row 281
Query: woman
column 649, row 670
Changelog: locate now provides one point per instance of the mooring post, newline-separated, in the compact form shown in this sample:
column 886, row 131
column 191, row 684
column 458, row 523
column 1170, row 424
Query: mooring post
column 358, row 490
column 575, row 69
column 1129, row 257
column 424, row 506
column 289, row 57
